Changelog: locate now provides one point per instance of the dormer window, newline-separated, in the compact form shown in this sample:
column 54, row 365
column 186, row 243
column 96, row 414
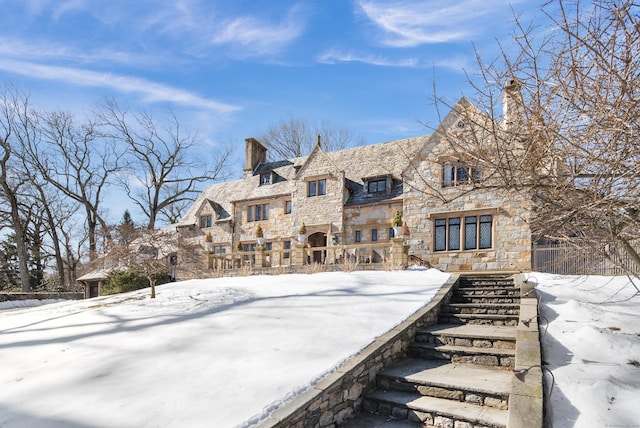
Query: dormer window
column 266, row 178
column 377, row 186
column 457, row 173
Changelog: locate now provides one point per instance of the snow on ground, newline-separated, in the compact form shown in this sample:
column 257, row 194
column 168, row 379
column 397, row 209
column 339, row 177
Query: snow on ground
column 205, row 353
column 592, row 347
column 27, row 303
column 226, row 352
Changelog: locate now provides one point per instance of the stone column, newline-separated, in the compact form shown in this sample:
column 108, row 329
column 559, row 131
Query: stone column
column 299, row 254
column 399, row 255
column 261, row 257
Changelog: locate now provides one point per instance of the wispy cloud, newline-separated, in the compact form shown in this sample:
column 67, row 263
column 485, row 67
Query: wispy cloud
column 40, row 51
column 409, row 23
column 257, row 36
column 334, row 56
column 149, row 91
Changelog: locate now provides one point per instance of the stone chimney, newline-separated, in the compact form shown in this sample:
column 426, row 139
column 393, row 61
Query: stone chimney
column 512, row 107
column 255, row 154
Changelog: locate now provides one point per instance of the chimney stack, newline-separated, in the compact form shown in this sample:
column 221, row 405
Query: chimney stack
column 512, row 107
column 255, row 153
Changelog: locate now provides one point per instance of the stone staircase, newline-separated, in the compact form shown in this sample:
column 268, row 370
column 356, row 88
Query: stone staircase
column 459, row 372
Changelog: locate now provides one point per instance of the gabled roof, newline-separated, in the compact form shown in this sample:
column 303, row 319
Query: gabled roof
column 357, row 163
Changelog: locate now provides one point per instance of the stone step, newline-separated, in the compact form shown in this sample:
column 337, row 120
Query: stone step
column 468, row 335
column 369, row 420
column 483, row 308
column 482, row 386
column 432, row 411
column 491, row 298
column 482, row 281
column 492, row 357
column 492, row 291
column 481, row 319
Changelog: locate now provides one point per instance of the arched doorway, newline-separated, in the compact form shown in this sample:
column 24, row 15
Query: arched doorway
column 318, row 239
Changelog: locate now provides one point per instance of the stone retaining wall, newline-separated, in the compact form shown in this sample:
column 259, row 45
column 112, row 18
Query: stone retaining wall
column 526, row 402
column 4, row 297
column 338, row 397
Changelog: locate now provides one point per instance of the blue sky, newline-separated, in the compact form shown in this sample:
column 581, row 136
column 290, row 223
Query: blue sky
column 230, row 68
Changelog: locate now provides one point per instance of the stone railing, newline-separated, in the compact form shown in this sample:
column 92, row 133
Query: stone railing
column 337, row 397
column 392, row 253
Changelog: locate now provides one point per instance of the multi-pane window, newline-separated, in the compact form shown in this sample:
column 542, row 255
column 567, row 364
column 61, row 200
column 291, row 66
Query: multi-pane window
column 258, row 212
column 250, row 248
column 286, row 246
column 374, row 234
column 265, row 178
column 458, row 173
column 473, row 232
column 377, row 186
column 287, row 207
column 219, row 249
column 358, row 236
column 317, row 187
column 205, row 221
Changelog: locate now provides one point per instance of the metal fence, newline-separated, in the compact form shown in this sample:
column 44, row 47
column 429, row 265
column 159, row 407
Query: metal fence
column 578, row 260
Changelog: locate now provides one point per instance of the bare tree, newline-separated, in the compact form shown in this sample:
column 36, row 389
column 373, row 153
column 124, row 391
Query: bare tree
column 15, row 126
column 166, row 165
column 78, row 162
column 294, row 137
column 566, row 126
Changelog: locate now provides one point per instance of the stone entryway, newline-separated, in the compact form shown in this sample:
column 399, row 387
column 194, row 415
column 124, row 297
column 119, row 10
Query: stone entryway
column 318, row 239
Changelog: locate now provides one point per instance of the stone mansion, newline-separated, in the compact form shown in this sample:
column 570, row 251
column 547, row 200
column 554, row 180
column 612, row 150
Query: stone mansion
column 349, row 197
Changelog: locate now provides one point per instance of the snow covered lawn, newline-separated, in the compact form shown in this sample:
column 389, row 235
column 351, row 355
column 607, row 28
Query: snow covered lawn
column 206, row 353
column 226, row 352
column 592, row 346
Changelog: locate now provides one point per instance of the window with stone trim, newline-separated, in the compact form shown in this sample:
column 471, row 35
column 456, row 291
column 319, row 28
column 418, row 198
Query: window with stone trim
column 286, row 245
column 206, row 221
column 458, row 173
column 287, row 207
column 374, row 235
column 465, row 232
column 219, row 249
column 358, row 236
column 317, row 187
column 257, row 212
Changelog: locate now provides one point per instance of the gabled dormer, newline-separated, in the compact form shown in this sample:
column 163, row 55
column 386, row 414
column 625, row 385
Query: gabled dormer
column 211, row 212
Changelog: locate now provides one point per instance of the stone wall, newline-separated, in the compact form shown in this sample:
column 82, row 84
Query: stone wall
column 368, row 217
column 338, row 397
column 9, row 297
column 426, row 199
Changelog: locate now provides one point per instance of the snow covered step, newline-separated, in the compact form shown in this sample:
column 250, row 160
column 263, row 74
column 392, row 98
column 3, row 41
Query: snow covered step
column 495, row 357
column 481, row 336
column 482, row 386
column 433, row 411
column 484, row 308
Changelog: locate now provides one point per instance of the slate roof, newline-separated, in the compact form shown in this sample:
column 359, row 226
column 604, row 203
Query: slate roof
column 357, row 163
